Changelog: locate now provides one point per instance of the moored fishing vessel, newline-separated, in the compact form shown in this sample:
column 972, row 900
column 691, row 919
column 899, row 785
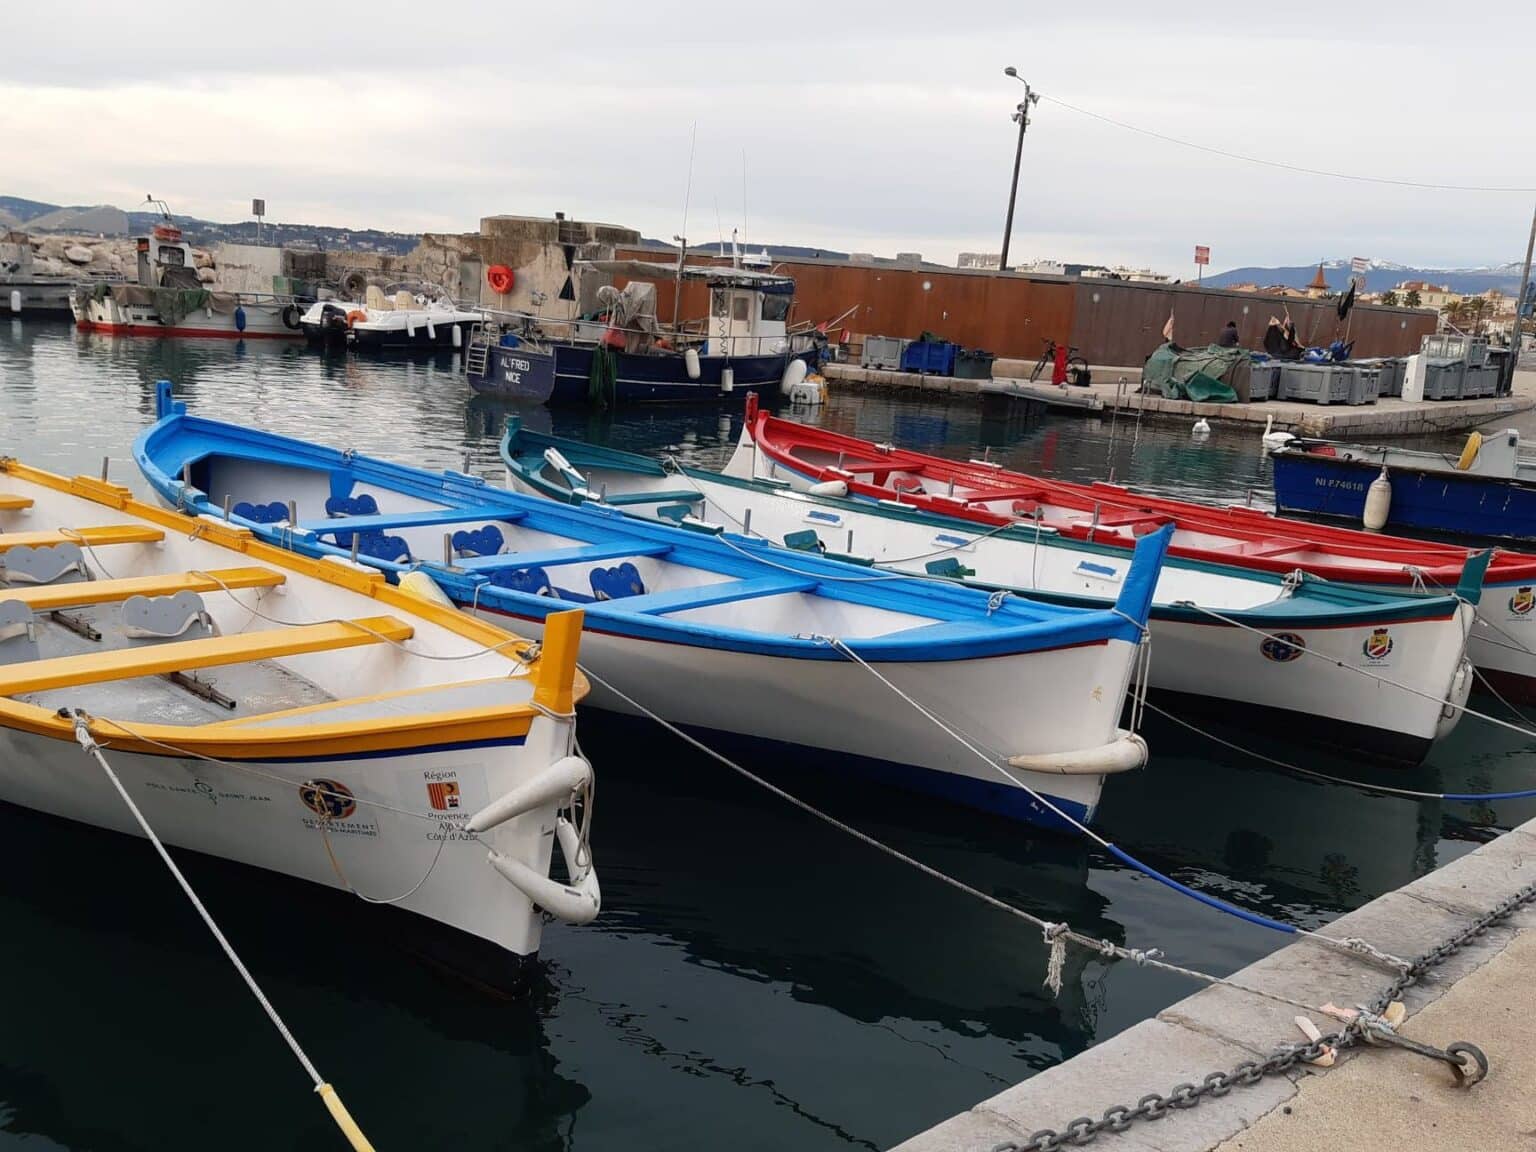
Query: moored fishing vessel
column 290, row 714
column 167, row 299
column 1487, row 492
column 624, row 356
column 719, row 633
column 1502, row 645
column 1291, row 650
column 403, row 321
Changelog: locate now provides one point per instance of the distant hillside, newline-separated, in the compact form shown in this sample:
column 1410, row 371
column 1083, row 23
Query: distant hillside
column 102, row 219
column 1380, row 277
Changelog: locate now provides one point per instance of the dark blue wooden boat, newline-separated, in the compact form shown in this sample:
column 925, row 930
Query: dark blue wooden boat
column 1488, row 492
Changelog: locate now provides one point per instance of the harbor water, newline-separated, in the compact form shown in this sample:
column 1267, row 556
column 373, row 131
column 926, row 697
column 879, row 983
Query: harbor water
column 757, row 980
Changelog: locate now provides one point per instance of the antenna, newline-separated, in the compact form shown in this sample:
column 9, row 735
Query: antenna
column 743, row 197
column 693, row 140
column 719, row 227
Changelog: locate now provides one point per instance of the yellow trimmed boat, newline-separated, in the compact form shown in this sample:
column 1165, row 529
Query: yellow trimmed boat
column 293, row 714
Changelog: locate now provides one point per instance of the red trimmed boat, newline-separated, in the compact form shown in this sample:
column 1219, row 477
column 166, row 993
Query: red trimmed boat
column 1503, row 642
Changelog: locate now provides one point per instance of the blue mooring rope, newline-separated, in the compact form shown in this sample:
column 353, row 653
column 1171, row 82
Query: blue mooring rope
column 1213, row 901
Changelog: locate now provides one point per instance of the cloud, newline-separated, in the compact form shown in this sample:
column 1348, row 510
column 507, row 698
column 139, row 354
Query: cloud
column 864, row 126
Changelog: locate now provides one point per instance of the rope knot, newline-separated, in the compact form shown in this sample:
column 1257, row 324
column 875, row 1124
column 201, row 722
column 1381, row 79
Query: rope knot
column 1055, row 935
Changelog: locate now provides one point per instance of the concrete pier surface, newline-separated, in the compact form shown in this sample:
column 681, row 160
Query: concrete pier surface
column 1373, row 1099
column 1388, row 417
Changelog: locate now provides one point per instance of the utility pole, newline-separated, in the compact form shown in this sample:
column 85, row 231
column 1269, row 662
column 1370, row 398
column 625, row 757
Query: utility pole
column 1525, row 276
column 1021, row 115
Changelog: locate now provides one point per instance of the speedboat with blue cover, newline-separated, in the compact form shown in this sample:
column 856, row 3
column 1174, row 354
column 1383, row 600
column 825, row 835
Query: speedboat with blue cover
column 1258, row 648
column 995, row 700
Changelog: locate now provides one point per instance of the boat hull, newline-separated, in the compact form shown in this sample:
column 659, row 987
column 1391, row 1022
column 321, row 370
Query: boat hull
column 837, row 714
column 257, row 816
column 1322, row 684
column 522, row 374
column 438, row 337
column 1461, row 503
column 263, row 320
column 663, row 379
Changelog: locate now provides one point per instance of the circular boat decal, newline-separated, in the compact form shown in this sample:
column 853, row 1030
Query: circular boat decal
column 328, row 799
column 1282, row 647
column 1378, row 645
column 1522, row 601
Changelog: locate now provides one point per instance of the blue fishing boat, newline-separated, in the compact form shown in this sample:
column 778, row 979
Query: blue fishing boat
column 996, row 701
column 1487, row 492
column 624, row 356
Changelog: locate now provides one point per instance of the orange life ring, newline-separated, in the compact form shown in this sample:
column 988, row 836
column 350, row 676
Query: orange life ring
column 500, row 278
column 355, row 315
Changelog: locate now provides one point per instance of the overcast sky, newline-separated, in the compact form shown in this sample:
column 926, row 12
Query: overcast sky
column 878, row 127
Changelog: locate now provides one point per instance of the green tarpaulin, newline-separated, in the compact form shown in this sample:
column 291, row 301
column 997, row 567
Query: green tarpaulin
column 1193, row 373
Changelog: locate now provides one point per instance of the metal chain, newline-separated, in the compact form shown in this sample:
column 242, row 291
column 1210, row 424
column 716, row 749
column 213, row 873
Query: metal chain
column 1154, row 1106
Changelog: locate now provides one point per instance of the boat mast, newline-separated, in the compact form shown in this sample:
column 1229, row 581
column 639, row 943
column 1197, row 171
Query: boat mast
column 682, row 241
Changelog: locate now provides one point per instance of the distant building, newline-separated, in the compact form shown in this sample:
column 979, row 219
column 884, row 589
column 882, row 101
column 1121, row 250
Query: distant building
column 982, row 261
column 1319, row 286
column 1042, row 267
column 1436, row 296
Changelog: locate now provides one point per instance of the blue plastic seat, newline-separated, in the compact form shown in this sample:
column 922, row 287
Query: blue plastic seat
column 272, row 513
column 487, row 541
column 380, row 546
column 364, row 505
column 617, row 582
column 534, row 581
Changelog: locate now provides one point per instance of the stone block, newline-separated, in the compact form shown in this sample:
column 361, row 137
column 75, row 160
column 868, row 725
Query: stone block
column 1153, row 1056
column 973, row 1131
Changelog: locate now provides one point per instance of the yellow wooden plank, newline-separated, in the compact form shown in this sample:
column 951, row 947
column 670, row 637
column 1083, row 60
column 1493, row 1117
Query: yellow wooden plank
column 186, row 655
column 13, row 503
column 53, row 596
column 95, row 537
column 557, row 661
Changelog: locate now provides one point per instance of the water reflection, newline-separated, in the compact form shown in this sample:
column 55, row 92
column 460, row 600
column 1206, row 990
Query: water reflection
column 756, row 978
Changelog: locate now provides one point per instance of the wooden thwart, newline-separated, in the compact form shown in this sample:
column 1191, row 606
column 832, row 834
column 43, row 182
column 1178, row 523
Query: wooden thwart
column 186, row 655
column 10, row 502
column 54, row 596
column 95, row 537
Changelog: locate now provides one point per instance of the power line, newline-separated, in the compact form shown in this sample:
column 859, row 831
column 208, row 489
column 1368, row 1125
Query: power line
column 1281, row 164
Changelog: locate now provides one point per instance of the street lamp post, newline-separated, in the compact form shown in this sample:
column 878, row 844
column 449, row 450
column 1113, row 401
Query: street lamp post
column 1021, row 117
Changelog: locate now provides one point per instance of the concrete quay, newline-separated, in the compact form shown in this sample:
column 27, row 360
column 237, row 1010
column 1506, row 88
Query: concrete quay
column 1387, row 418
column 1375, row 1098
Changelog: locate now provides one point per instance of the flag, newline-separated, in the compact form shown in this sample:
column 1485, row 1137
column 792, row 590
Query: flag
column 443, row 794
column 1168, row 329
column 1347, row 301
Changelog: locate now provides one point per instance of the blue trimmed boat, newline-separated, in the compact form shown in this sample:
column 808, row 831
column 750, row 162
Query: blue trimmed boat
column 800, row 655
column 1487, row 493
column 1211, row 624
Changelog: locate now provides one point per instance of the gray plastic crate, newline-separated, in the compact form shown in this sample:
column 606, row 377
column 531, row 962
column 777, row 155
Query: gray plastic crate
column 1315, row 383
column 1443, row 378
column 1264, row 381
column 1393, row 369
column 1364, row 383
column 883, row 352
column 1480, row 380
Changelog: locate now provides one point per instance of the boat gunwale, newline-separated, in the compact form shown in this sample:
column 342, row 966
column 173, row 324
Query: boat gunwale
column 1371, row 605
column 1039, row 627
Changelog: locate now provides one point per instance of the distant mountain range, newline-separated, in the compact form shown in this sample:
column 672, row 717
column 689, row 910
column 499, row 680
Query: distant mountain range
column 104, row 220
column 1380, row 276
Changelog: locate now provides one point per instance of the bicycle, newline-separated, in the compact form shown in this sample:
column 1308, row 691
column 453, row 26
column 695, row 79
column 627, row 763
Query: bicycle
column 1077, row 367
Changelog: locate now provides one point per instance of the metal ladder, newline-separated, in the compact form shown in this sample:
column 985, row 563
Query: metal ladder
column 477, row 352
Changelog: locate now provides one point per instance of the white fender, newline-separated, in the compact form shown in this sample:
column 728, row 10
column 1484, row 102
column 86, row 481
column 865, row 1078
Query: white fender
column 794, row 373
column 1125, row 754
column 15, row 300
column 578, row 902
column 829, row 488
column 556, row 782
column 457, row 336
column 1378, row 503
column 691, row 363
column 431, row 328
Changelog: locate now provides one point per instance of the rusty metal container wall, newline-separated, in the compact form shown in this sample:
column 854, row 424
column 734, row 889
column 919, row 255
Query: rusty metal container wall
column 1120, row 324
column 1009, row 315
